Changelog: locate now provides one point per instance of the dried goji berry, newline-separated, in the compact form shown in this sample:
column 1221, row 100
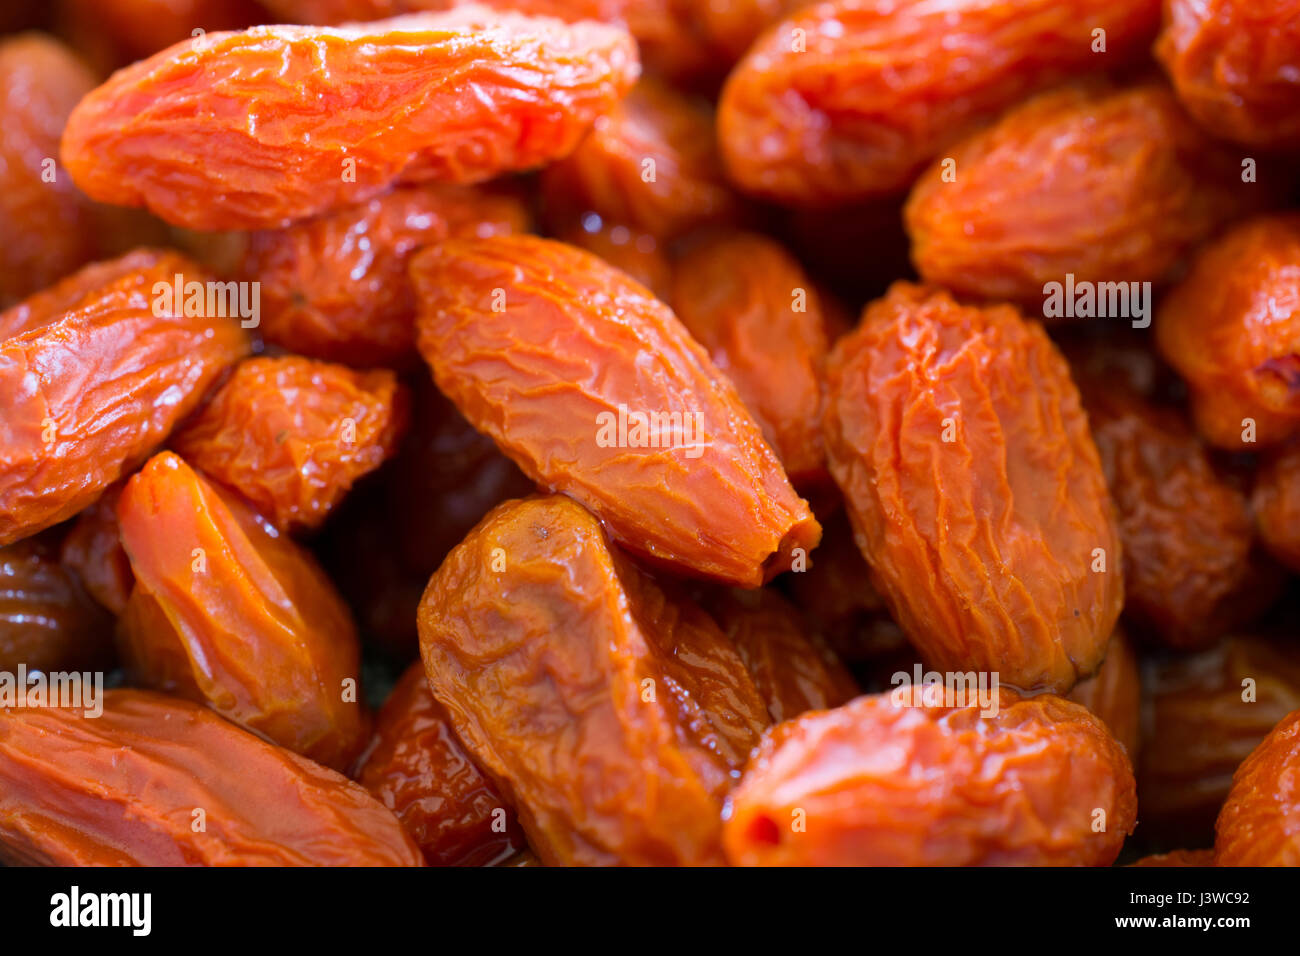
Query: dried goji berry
column 292, row 435
column 93, row 550
column 1202, row 715
column 639, row 254
column 1106, row 185
column 229, row 612
column 616, row 744
column 966, row 464
column 47, row 621
column 1232, row 330
column 631, row 417
column 877, row 783
column 127, row 788
column 1277, row 505
column 97, row 380
column 651, row 163
column 203, row 133
column 1190, row 574
column 335, row 287
column 793, row 671
column 755, row 311
column 850, row 99
column 416, row 766
column 45, row 223
column 1260, row 822
column 1114, row 693
column 1178, row 858
column 1234, row 64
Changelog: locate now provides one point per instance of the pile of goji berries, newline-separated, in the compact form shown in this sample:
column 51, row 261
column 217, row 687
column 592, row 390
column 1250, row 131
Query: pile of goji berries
column 751, row 432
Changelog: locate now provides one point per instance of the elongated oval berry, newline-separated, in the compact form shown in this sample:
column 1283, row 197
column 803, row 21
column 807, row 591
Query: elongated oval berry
column 611, row 715
column 877, row 783
column 292, row 435
column 96, row 378
column 596, row 390
column 851, row 99
column 974, row 487
column 255, row 129
column 128, row 787
column 231, row 613
column 1106, row 185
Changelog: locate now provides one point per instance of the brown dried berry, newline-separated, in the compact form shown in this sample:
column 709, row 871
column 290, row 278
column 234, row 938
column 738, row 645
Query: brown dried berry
column 416, row 766
column 1260, row 822
column 1114, row 693
column 966, row 464
column 292, row 435
column 255, row 129
column 631, row 417
column 1277, row 505
column 97, row 381
column 93, row 550
column 616, row 744
column 874, row 783
column 128, row 787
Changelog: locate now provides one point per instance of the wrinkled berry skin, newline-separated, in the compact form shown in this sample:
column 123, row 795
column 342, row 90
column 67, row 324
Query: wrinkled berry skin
column 97, row 374
column 959, row 442
column 851, row 99
column 1260, row 822
column 1105, row 184
column 617, row 744
column 416, row 766
column 1231, row 329
column 702, row 493
column 121, row 789
column 229, row 612
column 293, row 435
column 335, row 286
column 255, row 129
column 1234, row 64
column 877, row 784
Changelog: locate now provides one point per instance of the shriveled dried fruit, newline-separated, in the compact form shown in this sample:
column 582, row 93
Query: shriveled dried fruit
column 1260, row 822
column 1114, row 693
column 966, row 464
column 755, row 311
column 416, row 766
column 45, row 224
column 850, row 99
column 255, row 129
column 792, row 669
column 1232, row 330
column 651, row 163
column 1277, row 505
column 1202, row 716
column 126, row 788
column 1235, row 65
column 631, row 417
column 616, row 744
column 1178, row 858
column 874, row 783
column 229, row 612
column 292, row 435
column 639, row 254
column 1189, row 572
column 96, row 381
column 47, row 621
column 335, row 286
column 93, row 550
column 1106, row 185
